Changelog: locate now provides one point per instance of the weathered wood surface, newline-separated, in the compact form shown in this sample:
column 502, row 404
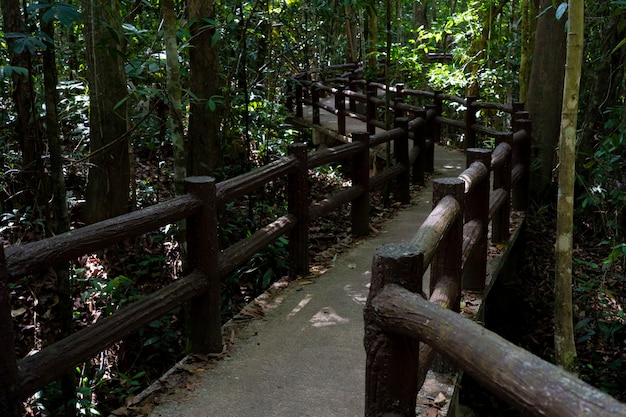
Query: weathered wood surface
column 477, row 187
column 232, row 188
column 53, row 361
column 41, row 255
column 205, row 323
column 392, row 360
column 238, row 254
column 359, row 174
column 496, row 200
column 9, row 404
column 525, row 381
column 334, row 154
column 500, row 154
column 298, row 206
column 435, row 226
column 447, row 258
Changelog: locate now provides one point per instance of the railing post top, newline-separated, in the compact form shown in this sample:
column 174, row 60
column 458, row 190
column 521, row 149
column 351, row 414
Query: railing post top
column 479, row 155
column 402, row 120
column 203, row 179
column 297, row 145
column 453, row 186
column 477, row 151
column 360, row 136
column 448, row 182
column 397, row 263
column 522, row 115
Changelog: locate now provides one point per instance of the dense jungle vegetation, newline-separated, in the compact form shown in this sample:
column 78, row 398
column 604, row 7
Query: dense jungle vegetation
column 108, row 106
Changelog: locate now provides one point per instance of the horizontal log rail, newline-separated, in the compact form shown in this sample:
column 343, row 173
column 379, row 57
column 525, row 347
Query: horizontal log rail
column 525, row 381
column 452, row 242
column 207, row 263
column 462, row 116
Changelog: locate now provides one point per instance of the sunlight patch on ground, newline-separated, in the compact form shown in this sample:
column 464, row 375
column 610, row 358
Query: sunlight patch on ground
column 357, row 296
column 300, row 306
column 327, row 317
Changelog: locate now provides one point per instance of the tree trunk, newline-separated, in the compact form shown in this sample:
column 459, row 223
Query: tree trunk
column 174, row 94
column 205, row 151
column 59, row 207
column 26, row 127
column 107, row 191
column 545, row 93
column 564, row 344
column 529, row 25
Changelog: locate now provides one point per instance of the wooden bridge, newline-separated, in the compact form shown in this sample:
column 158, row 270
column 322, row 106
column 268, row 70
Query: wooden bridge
column 485, row 203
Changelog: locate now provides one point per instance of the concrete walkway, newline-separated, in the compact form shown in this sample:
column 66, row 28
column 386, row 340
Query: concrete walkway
column 305, row 357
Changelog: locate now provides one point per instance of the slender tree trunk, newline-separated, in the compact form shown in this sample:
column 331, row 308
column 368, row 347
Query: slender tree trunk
column 545, row 94
column 371, row 37
column 174, row 94
column 59, row 206
column 420, row 14
column 205, row 151
column 564, row 344
column 529, row 25
column 479, row 45
column 108, row 183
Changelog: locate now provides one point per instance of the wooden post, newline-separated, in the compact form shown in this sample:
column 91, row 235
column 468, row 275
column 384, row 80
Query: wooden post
column 399, row 98
column 10, row 405
column 351, row 100
column 203, row 255
column 447, row 259
column 470, row 120
column 299, row 108
column 392, row 361
column 359, row 173
column 401, row 152
column 340, row 105
column 477, row 208
column 298, row 200
column 289, row 95
column 370, row 112
column 500, row 220
column 522, row 154
column 315, row 101
column 438, row 106
column 419, row 141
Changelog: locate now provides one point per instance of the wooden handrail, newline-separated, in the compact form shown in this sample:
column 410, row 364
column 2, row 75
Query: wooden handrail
column 528, row 383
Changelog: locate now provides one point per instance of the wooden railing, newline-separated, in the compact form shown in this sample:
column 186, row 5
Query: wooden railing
column 403, row 330
column 208, row 264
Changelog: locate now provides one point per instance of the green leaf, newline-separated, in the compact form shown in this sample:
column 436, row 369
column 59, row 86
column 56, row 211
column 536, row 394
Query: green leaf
column 561, row 10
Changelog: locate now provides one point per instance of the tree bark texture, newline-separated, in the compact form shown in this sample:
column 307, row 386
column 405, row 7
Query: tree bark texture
column 174, row 95
column 529, row 26
column 59, row 206
column 533, row 386
column 564, row 343
column 26, row 128
column 204, row 146
column 545, row 93
column 107, row 192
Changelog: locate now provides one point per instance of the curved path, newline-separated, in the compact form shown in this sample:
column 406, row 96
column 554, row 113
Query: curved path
column 305, row 356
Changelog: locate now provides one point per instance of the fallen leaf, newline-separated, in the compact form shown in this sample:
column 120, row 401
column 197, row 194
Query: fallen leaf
column 440, row 399
column 432, row 412
column 352, row 265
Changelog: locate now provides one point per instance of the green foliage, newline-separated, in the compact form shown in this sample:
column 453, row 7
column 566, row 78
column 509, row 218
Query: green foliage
column 605, row 180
